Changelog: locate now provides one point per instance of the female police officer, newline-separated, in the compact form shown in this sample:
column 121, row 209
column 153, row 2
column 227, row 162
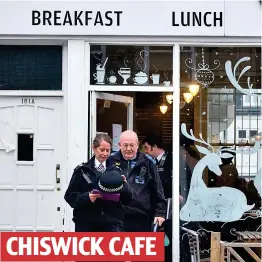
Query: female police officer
column 91, row 212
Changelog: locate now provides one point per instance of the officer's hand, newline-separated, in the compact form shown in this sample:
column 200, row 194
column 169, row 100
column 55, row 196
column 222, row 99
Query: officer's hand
column 124, row 178
column 93, row 197
column 159, row 220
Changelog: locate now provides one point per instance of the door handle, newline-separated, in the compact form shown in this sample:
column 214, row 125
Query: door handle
column 57, row 174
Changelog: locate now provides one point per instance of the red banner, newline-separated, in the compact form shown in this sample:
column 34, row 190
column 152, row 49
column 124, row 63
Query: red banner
column 43, row 246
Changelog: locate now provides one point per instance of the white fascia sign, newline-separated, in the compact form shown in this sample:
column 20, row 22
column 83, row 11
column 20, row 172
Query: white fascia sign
column 161, row 18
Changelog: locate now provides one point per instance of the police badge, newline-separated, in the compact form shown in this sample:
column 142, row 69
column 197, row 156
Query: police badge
column 140, row 179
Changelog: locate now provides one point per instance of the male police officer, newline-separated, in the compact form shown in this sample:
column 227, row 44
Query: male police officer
column 154, row 146
column 148, row 205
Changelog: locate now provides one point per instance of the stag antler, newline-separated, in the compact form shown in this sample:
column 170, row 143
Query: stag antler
column 192, row 137
column 255, row 149
column 232, row 76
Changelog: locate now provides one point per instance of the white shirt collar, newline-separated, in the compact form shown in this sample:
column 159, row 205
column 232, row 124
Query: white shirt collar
column 160, row 156
column 97, row 163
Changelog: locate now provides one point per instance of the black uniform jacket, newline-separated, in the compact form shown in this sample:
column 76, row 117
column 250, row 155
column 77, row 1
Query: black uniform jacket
column 165, row 171
column 142, row 175
column 77, row 195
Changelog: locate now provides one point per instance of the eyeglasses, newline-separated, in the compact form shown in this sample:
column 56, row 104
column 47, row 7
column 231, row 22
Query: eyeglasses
column 128, row 145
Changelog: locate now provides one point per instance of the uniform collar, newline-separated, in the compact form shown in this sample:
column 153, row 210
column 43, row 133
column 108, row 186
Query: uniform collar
column 117, row 156
column 97, row 163
column 160, row 156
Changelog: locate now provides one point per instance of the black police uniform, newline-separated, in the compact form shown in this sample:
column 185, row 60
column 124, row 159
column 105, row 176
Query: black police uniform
column 148, row 196
column 98, row 216
column 164, row 167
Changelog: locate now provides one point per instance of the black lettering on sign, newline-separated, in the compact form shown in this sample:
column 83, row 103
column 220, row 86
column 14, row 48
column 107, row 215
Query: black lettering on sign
column 67, row 19
column 197, row 18
column 57, row 17
column 220, row 19
column 76, row 18
column 118, row 13
column 109, row 18
column 36, row 17
column 47, row 17
column 98, row 19
column 28, row 101
column 88, row 16
column 206, row 19
column 185, row 19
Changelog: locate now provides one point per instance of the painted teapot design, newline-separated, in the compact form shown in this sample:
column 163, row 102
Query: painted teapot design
column 140, row 78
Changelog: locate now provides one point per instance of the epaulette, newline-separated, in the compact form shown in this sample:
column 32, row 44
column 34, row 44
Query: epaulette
column 80, row 166
column 150, row 158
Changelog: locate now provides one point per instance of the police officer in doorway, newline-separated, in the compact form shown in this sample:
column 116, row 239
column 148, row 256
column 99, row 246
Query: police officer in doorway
column 148, row 205
column 154, row 146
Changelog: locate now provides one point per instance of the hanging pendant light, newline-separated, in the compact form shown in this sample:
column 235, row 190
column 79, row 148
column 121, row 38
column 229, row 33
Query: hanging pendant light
column 169, row 99
column 163, row 109
column 194, row 89
column 188, row 97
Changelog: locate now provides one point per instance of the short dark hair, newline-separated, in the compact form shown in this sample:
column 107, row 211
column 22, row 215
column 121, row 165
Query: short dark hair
column 153, row 140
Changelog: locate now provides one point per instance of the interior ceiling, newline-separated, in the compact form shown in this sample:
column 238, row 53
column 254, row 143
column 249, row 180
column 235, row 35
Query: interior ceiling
column 147, row 99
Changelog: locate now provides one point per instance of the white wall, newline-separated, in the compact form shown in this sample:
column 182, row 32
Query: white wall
column 76, row 97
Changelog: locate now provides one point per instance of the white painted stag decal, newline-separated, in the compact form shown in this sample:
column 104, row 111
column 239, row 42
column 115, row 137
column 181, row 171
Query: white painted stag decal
column 224, row 204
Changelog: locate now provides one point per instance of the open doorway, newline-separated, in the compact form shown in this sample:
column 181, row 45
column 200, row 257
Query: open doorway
column 114, row 112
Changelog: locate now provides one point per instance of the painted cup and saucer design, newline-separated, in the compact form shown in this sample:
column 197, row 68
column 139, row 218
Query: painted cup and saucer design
column 112, row 78
column 139, row 77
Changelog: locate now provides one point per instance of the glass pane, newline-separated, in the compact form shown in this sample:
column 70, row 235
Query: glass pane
column 30, row 67
column 132, row 65
column 111, row 116
column 25, row 149
column 220, row 179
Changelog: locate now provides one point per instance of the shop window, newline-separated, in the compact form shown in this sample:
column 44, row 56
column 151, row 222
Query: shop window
column 242, row 134
column 252, row 133
column 247, row 99
column 131, row 65
column 220, row 143
column 30, row 67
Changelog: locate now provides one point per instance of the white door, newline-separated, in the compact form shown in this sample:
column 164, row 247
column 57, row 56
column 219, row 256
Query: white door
column 108, row 110
column 30, row 158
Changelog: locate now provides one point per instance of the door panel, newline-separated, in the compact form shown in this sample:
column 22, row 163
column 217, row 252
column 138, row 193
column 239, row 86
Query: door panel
column 108, row 109
column 30, row 149
column 116, row 113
